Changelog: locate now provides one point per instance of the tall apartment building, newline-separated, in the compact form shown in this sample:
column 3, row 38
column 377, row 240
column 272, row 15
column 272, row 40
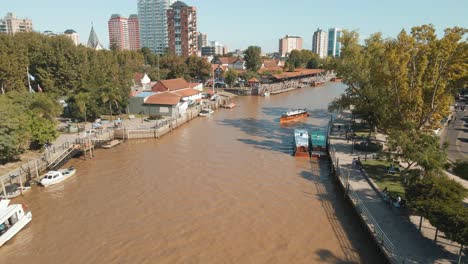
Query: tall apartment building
column 202, row 40
column 182, row 29
column 70, row 33
column 288, row 44
column 320, row 43
column 11, row 24
column 118, row 32
column 334, row 44
column 134, row 32
column 153, row 24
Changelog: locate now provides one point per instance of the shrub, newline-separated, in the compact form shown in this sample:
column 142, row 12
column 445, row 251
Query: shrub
column 461, row 169
column 371, row 147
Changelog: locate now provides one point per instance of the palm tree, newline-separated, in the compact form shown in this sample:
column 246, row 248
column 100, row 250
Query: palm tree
column 81, row 100
column 110, row 95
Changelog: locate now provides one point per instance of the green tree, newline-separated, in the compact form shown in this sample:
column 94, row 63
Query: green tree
column 252, row 57
column 198, row 68
column 230, row 76
column 42, row 131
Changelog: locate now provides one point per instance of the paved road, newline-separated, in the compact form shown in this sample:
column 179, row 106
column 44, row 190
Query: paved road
column 409, row 242
column 456, row 134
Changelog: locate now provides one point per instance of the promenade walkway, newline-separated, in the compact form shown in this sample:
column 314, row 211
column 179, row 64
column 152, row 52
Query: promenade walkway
column 408, row 242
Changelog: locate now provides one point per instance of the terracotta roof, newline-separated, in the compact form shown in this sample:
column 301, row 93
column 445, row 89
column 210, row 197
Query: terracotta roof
column 297, row 73
column 137, row 76
column 271, row 69
column 253, row 80
column 187, row 92
column 216, row 66
column 230, row 60
column 270, row 63
column 170, row 85
column 165, row 98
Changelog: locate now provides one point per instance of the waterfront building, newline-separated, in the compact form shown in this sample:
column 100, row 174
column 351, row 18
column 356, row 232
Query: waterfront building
column 182, row 29
column 93, row 40
column 11, row 24
column 73, row 35
column 118, row 32
column 288, row 44
column 320, row 43
column 202, row 40
column 134, row 32
column 152, row 16
column 334, row 43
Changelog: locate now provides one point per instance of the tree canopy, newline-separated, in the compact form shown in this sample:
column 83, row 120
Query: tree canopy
column 252, row 57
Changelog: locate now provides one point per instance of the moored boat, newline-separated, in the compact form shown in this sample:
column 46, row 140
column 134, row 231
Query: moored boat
column 112, row 144
column 229, row 105
column 336, row 79
column 13, row 218
column 206, row 112
column 54, row 177
column 301, row 143
column 293, row 115
column 318, row 143
column 14, row 190
column 317, row 83
column 266, row 93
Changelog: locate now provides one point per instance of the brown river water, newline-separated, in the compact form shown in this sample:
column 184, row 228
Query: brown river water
column 220, row 189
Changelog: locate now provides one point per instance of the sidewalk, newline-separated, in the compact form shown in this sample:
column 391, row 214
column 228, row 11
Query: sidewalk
column 410, row 244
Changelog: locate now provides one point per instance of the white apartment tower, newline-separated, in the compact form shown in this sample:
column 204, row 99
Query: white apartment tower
column 70, row 33
column 153, row 24
column 11, row 24
column 320, row 43
column 288, row 44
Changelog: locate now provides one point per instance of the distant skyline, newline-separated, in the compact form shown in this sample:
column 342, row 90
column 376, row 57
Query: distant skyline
column 241, row 23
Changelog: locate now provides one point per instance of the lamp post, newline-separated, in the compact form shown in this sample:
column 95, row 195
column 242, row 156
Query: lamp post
column 352, row 141
column 367, row 143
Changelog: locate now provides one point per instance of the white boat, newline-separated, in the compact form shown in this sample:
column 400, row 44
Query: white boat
column 206, row 112
column 14, row 190
column 267, row 93
column 13, row 218
column 53, row 177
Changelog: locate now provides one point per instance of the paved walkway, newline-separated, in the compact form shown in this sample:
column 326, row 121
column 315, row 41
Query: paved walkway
column 409, row 242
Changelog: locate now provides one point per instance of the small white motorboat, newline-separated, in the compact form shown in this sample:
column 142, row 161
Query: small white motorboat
column 14, row 190
column 13, row 217
column 53, row 177
column 266, row 93
column 206, row 112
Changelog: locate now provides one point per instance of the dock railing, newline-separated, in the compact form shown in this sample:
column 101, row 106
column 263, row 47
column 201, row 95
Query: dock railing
column 379, row 235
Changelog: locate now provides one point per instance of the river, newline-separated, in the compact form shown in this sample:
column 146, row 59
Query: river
column 221, row 189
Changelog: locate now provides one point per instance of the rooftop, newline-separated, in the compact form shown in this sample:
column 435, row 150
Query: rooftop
column 165, row 98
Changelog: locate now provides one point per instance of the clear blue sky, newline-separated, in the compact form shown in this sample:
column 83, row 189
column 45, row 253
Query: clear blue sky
column 239, row 23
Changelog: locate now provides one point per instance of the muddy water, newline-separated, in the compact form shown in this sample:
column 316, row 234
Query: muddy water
column 222, row 189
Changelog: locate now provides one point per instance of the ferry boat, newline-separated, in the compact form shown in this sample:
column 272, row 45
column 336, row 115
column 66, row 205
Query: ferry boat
column 293, row 115
column 318, row 143
column 301, row 143
column 54, row 177
column 13, row 218
column 206, row 112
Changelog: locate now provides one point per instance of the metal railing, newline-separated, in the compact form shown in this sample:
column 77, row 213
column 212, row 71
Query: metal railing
column 385, row 243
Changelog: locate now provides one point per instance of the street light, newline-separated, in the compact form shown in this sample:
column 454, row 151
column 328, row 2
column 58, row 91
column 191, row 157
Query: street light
column 367, row 143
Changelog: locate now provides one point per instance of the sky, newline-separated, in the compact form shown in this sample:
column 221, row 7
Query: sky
column 240, row 23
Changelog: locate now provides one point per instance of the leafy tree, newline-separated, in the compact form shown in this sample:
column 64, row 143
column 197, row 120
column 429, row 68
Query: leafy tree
column 42, row 131
column 230, row 76
column 198, row 68
column 14, row 130
column 252, row 57
column 416, row 147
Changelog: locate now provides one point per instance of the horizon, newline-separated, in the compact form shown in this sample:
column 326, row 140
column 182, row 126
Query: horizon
column 230, row 25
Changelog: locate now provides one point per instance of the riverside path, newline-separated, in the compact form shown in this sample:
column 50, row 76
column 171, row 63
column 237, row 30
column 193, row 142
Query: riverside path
column 410, row 244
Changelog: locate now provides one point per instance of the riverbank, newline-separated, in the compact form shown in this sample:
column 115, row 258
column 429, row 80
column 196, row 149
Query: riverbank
column 394, row 231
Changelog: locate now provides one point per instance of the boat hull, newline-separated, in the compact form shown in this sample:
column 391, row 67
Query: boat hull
column 285, row 119
column 15, row 228
column 46, row 183
column 301, row 151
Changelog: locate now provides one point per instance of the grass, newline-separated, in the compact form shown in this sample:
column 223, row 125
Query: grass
column 377, row 170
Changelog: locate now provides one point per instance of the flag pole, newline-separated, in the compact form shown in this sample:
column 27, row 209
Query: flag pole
column 29, row 81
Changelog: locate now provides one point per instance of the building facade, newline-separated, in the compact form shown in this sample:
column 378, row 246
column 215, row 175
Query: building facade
column 70, row 33
column 182, row 29
column 320, row 43
column 11, row 24
column 134, row 32
column 152, row 16
column 202, row 40
column 118, row 32
column 288, row 44
column 334, row 44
